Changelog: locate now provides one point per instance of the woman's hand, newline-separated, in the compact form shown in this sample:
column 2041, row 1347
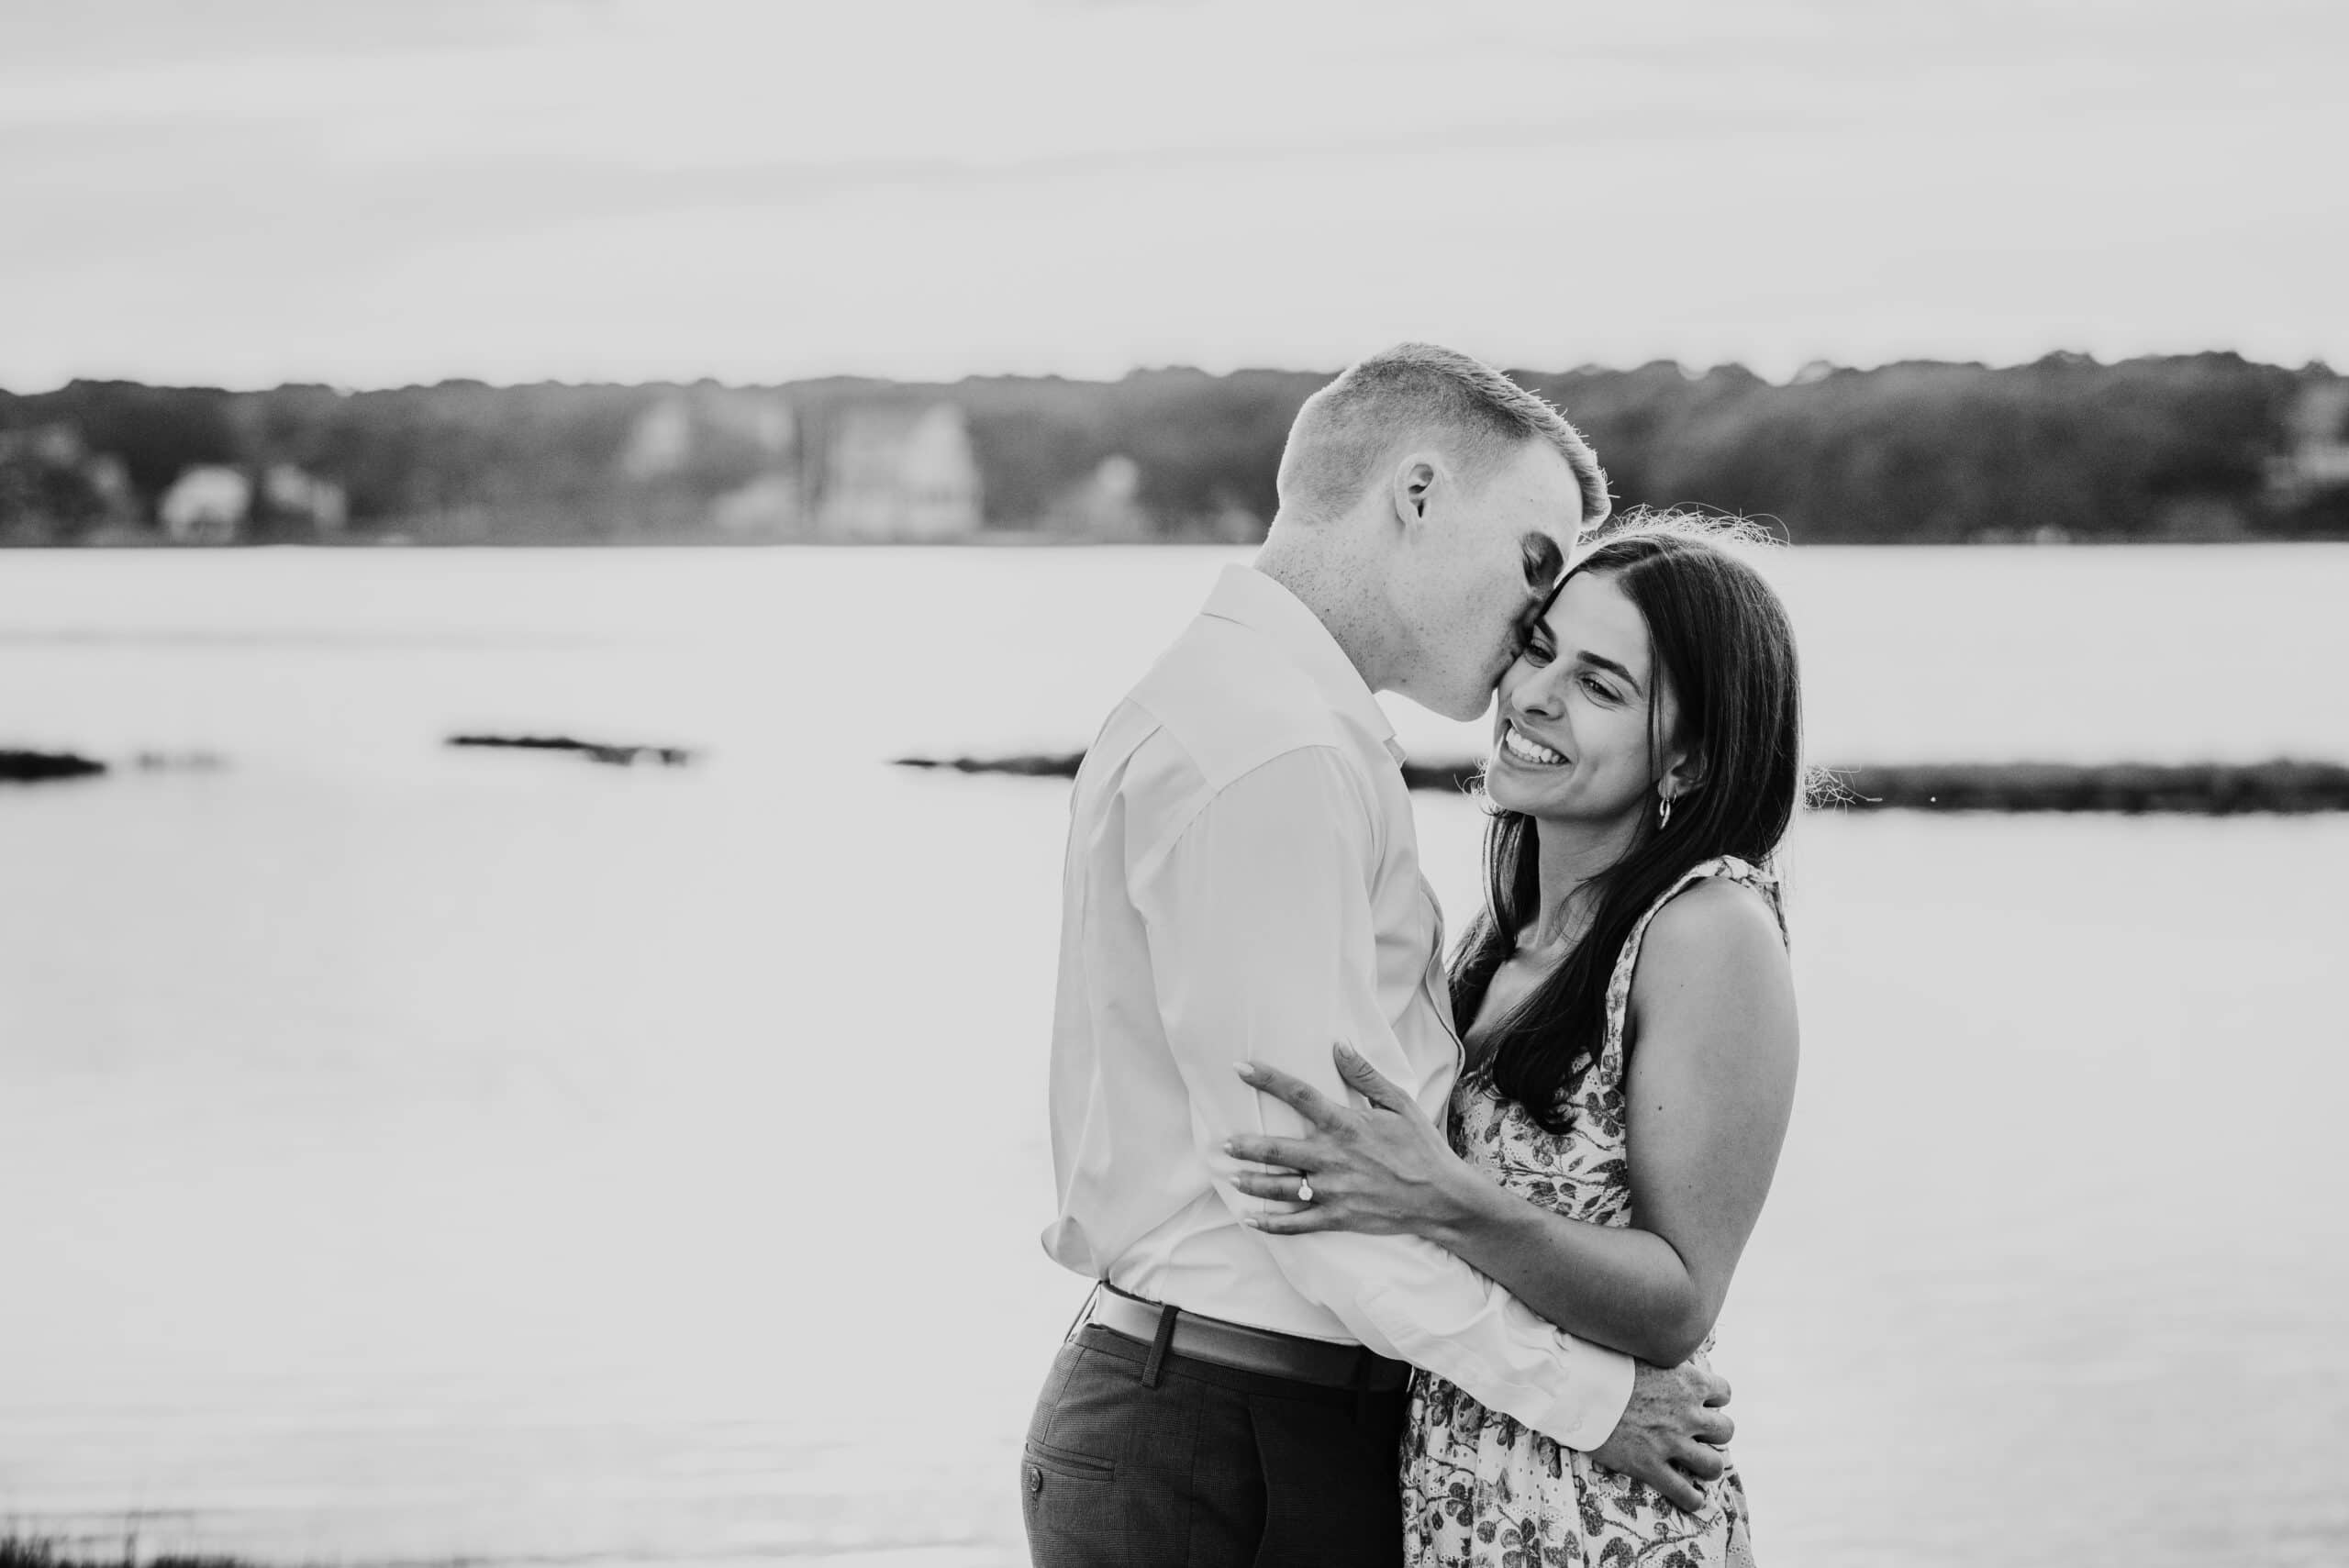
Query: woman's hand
column 1385, row 1171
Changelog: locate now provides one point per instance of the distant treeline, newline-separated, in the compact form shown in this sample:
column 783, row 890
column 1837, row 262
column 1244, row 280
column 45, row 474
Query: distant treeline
column 2210, row 446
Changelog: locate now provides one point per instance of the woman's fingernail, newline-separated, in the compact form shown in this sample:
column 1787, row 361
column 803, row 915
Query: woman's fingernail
column 1246, row 1069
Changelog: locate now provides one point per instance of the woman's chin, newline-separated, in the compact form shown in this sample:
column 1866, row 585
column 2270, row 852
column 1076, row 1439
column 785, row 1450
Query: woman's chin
column 1508, row 786
column 1542, row 794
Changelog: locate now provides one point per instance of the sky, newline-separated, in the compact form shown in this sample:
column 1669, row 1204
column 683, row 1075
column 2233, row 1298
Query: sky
column 371, row 193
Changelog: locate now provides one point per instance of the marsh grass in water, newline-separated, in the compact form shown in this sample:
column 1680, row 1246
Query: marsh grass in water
column 40, row 767
column 37, row 1552
column 2209, row 789
column 622, row 753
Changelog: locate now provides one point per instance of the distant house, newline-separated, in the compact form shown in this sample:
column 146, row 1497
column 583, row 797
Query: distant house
column 765, row 508
column 662, row 440
column 288, row 494
column 209, row 504
column 900, row 471
column 727, row 456
column 762, row 419
column 214, row 504
column 1104, row 506
column 688, row 425
column 2318, row 457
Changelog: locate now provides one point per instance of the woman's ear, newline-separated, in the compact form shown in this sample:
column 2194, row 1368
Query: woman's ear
column 1684, row 775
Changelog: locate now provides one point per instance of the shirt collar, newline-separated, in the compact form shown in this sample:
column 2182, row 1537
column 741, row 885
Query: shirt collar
column 1246, row 596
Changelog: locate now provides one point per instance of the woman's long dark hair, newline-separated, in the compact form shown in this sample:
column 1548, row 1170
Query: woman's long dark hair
column 1718, row 633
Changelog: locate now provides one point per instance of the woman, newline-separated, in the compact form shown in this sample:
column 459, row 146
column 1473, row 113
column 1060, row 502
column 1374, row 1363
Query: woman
column 1630, row 1042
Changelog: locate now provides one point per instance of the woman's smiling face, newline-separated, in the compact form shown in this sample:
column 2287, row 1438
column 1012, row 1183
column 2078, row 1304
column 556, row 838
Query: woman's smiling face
column 1571, row 738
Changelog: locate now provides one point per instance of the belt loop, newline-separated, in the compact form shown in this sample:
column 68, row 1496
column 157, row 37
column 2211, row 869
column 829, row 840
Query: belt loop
column 1157, row 1361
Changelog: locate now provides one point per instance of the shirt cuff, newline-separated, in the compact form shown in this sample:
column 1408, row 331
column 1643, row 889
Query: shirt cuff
column 1602, row 1394
column 1563, row 1387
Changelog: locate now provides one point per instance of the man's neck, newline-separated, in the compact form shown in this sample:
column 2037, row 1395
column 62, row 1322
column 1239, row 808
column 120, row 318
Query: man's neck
column 1339, row 588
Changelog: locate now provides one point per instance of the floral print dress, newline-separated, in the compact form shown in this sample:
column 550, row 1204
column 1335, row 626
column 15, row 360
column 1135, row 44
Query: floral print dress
column 1484, row 1489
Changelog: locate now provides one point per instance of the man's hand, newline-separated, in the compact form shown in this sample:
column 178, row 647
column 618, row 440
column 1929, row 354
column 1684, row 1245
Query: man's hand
column 1671, row 1433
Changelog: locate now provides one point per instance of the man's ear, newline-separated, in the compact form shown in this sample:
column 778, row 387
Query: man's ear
column 1412, row 485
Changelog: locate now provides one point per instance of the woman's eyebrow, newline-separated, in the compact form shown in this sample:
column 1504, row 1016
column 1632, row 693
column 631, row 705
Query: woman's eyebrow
column 1587, row 657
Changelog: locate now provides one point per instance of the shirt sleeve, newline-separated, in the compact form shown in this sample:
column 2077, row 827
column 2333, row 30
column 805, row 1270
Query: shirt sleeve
column 1265, row 949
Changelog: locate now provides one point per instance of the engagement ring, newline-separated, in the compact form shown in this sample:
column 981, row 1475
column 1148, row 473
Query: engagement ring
column 1304, row 1189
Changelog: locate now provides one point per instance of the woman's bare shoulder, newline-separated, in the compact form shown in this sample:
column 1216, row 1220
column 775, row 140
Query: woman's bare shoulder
column 1715, row 927
column 1714, row 983
column 1716, row 909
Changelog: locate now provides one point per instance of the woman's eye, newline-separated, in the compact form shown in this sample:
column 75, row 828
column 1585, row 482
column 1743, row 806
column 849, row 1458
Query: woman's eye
column 1598, row 688
column 1535, row 651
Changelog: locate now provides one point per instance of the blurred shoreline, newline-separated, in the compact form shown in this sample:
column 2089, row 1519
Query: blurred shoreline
column 994, row 540
column 2195, row 449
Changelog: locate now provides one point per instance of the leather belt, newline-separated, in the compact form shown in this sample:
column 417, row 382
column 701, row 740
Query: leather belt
column 1241, row 1347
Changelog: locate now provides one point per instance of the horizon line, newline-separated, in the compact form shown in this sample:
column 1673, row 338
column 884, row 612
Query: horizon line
column 1810, row 370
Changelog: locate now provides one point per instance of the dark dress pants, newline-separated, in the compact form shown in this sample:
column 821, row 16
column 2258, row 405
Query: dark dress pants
column 1208, row 1468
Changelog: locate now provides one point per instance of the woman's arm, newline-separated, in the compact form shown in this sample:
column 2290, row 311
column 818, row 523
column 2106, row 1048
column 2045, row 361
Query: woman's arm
column 1708, row 1095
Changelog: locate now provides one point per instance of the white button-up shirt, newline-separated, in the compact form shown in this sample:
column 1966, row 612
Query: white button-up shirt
column 1242, row 884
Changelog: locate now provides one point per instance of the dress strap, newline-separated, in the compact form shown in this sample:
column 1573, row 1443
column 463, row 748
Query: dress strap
column 1729, row 868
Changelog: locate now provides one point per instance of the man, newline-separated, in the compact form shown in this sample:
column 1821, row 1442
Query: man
column 1243, row 885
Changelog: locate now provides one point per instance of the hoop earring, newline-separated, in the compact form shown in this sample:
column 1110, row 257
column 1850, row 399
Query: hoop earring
column 1663, row 812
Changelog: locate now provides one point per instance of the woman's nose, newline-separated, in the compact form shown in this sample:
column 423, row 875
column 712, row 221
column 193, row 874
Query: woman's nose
column 1536, row 696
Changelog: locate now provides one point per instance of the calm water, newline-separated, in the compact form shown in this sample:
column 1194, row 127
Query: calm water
column 411, row 1154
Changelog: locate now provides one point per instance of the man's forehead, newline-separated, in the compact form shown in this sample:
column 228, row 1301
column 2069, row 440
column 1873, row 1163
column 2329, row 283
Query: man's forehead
column 1545, row 498
column 1542, row 471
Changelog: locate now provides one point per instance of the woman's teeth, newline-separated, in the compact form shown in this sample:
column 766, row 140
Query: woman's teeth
column 1526, row 751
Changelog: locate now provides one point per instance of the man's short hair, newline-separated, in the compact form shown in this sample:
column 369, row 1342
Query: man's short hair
column 1419, row 390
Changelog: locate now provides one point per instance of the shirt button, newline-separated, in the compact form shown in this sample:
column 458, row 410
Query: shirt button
column 1035, row 1478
